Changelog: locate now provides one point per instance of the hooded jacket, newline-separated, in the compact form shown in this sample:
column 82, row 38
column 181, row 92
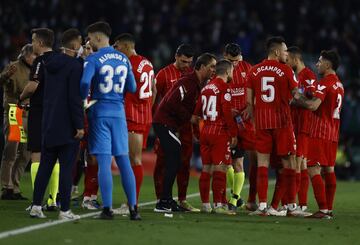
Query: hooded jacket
column 62, row 104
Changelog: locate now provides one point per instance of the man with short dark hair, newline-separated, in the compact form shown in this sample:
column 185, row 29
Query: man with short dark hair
column 137, row 105
column 71, row 41
column 175, row 110
column 217, row 136
column 324, row 132
column 109, row 73
column 165, row 79
column 42, row 42
column 301, row 118
column 270, row 83
column 246, row 133
column 15, row 154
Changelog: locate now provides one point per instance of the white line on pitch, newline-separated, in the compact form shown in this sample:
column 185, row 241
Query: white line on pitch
column 30, row 228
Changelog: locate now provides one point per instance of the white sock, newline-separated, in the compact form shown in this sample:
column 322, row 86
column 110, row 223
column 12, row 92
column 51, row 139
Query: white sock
column 262, row 205
column 86, row 198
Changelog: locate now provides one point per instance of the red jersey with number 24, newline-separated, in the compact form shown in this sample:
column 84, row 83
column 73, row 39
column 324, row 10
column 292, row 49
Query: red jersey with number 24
column 214, row 105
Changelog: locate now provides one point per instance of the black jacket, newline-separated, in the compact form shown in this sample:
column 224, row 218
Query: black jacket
column 62, row 104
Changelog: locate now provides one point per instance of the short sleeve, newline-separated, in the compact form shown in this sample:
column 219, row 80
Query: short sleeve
column 321, row 90
column 36, row 69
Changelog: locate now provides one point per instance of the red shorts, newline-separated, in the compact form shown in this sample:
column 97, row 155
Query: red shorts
column 215, row 149
column 280, row 141
column 246, row 140
column 139, row 128
column 302, row 144
column 322, row 152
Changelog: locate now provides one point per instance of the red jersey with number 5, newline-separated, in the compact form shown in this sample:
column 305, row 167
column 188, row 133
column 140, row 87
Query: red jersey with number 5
column 138, row 105
column 214, row 105
column 326, row 119
column 272, row 83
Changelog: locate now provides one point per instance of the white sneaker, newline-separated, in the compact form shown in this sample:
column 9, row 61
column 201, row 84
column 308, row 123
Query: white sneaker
column 298, row 213
column 36, row 212
column 123, row 210
column 88, row 204
column 273, row 212
column 68, row 215
column 206, row 209
column 259, row 212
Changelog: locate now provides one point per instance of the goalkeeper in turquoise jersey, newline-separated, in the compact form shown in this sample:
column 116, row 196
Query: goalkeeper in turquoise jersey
column 108, row 73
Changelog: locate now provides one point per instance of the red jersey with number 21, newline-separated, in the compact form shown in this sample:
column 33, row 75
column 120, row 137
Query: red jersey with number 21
column 138, row 105
column 272, row 83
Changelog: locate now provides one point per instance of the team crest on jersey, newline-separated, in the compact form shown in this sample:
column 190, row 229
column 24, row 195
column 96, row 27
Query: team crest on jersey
column 243, row 74
column 320, row 88
column 227, row 97
column 310, row 82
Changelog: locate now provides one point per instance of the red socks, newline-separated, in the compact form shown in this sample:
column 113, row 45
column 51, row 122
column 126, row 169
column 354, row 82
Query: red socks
column 252, row 181
column 262, row 183
column 298, row 181
column 290, row 179
column 159, row 173
column 330, row 187
column 304, row 187
column 204, row 187
column 218, row 186
column 182, row 179
column 319, row 191
column 139, row 175
column 279, row 191
column 91, row 180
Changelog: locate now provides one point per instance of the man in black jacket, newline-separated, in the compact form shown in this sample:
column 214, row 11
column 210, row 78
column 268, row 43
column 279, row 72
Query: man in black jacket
column 62, row 128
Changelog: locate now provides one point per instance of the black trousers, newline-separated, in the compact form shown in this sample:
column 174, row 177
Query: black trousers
column 67, row 156
column 171, row 146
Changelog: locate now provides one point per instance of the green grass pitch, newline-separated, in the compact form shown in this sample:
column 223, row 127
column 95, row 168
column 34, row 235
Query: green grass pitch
column 188, row 228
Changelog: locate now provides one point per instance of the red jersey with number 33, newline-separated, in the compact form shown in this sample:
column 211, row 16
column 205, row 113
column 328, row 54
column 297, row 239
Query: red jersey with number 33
column 138, row 105
column 272, row 83
column 326, row 119
column 214, row 105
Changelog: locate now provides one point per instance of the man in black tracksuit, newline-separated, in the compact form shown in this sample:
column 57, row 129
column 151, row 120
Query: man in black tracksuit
column 62, row 128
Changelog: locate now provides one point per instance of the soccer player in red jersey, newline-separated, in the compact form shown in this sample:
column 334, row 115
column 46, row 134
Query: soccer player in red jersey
column 246, row 132
column 165, row 79
column 324, row 132
column 301, row 121
column 270, row 83
column 137, row 105
column 218, row 134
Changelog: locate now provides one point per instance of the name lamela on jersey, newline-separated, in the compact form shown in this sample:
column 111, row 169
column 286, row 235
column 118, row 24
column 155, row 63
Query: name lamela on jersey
column 109, row 56
column 275, row 69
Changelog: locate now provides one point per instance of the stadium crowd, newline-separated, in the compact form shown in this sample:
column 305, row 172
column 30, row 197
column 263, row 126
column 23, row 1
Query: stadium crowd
column 247, row 29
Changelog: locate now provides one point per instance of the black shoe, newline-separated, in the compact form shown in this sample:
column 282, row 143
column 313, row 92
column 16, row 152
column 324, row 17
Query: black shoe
column 7, row 194
column 232, row 208
column 50, row 208
column 18, row 196
column 240, row 203
column 106, row 214
column 134, row 214
column 166, row 206
column 162, row 206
